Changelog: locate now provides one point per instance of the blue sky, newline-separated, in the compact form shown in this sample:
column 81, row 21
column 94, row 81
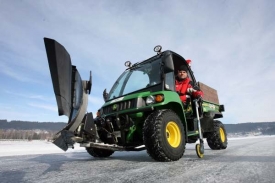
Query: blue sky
column 231, row 45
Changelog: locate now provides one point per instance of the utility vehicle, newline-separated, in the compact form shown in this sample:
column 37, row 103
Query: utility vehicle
column 142, row 111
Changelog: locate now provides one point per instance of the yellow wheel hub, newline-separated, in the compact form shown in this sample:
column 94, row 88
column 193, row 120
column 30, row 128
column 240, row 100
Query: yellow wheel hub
column 222, row 135
column 198, row 151
column 173, row 134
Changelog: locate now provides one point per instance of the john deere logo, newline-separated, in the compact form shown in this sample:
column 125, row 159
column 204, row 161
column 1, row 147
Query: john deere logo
column 114, row 107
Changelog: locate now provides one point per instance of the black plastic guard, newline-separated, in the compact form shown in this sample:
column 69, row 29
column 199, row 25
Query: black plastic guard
column 70, row 90
column 63, row 139
column 89, row 125
column 61, row 72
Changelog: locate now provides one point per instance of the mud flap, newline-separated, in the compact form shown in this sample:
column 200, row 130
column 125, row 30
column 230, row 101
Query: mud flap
column 70, row 90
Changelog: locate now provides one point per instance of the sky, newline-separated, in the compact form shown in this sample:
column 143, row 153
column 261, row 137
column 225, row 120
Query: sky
column 231, row 45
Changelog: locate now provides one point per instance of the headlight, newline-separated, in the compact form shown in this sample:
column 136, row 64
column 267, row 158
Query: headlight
column 154, row 99
column 157, row 48
column 128, row 64
column 150, row 100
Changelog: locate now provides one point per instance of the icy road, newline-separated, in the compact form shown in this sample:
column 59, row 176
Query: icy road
column 245, row 160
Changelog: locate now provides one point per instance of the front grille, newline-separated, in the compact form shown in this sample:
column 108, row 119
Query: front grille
column 119, row 106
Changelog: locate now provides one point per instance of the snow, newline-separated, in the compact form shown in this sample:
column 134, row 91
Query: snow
column 250, row 137
column 14, row 148
column 246, row 160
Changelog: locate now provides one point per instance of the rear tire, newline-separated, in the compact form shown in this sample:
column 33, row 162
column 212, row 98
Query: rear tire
column 99, row 153
column 163, row 136
column 218, row 138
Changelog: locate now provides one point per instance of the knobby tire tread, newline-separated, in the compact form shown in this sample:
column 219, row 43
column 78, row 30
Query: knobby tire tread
column 214, row 139
column 153, row 140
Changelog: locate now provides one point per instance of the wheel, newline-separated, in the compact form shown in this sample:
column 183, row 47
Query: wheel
column 100, row 153
column 218, row 138
column 199, row 150
column 163, row 136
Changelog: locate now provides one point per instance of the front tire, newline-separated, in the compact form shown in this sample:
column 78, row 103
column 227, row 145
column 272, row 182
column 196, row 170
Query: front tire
column 163, row 136
column 218, row 138
column 99, row 153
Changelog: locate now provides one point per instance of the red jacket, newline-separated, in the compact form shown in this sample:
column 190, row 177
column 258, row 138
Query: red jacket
column 182, row 87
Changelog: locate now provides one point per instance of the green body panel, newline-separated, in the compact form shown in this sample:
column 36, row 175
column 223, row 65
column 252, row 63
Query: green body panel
column 169, row 97
column 171, row 101
column 209, row 106
column 192, row 133
column 122, row 106
column 130, row 134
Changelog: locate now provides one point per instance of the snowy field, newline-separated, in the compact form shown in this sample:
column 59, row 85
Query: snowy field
column 13, row 148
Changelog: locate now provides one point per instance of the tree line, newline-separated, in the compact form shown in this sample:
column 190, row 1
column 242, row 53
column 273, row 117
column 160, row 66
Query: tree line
column 26, row 134
column 24, row 130
column 27, row 125
column 265, row 128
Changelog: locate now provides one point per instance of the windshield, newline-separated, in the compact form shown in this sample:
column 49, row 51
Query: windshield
column 138, row 77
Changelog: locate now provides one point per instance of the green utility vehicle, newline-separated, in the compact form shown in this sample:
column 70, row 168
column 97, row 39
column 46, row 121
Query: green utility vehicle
column 142, row 111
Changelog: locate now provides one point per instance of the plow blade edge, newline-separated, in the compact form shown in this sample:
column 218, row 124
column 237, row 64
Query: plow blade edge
column 70, row 90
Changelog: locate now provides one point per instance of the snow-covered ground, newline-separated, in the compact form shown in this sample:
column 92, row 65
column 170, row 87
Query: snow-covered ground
column 13, row 148
column 246, row 160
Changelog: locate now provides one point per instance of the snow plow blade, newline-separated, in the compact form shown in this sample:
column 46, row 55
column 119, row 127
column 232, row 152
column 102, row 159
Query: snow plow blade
column 70, row 90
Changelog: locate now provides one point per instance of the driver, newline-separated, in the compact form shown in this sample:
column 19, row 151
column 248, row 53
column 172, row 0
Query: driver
column 184, row 85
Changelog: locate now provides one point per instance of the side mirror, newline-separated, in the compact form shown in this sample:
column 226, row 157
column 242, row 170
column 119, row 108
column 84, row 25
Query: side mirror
column 105, row 95
column 89, row 84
